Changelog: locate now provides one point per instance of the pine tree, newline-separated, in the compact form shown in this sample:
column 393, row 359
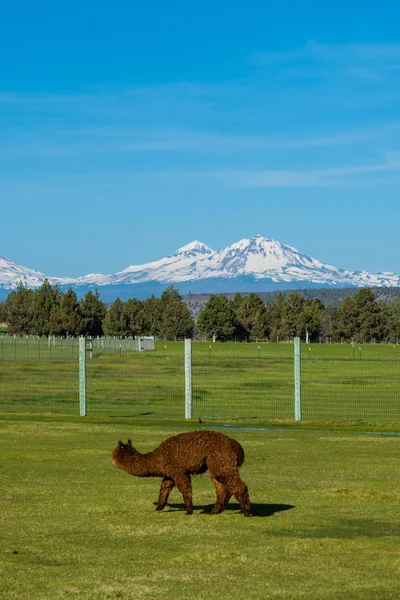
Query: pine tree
column 393, row 321
column 236, row 302
column 252, row 313
column 290, row 323
column 70, row 316
column 115, row 322
column 176, row 320
column 327, row 323
column 217, row 319
column 345, row 325
column 46, row 303
column 275, row 311
column 17, row 311
column 152, row 315
column 93, row 312
column 310, row 319
column 369, row 318
column 134, row 312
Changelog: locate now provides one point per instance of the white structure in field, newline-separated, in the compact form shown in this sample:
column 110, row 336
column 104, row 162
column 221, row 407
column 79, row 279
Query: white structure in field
column 145, row 343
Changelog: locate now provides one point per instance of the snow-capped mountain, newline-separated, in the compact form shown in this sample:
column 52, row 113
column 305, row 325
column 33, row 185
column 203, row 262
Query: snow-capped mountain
column 258, row 257
column 258, row 261
column 11, row 275
column 184, row 264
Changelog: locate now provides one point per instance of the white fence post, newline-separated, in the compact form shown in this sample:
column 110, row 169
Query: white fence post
column 82, row 376
column 297, row 380
column 188, row 379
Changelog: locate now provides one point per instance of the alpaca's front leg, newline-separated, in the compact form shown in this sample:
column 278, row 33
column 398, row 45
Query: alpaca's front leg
column 166, row 488
column 184, row 485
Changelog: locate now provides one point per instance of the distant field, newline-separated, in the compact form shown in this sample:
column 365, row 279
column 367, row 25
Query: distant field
column 32, row 347
column 325, row 524
column 231, row 381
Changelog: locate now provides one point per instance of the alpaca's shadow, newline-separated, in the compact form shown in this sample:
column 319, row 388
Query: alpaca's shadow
column 257, row 510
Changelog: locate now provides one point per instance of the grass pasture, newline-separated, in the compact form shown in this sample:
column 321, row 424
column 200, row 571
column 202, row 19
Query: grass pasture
column 326, row 518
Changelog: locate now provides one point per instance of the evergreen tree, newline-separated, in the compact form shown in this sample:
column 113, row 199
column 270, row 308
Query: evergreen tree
column 46, row 303
column 217, row 319
column 93, row 312
column 115, row 322
column 236, row 302
column 261, row 328
column 393, row 321
column 17, row 311
column 135, row 318
column 290, row 323
column 327, row 323
column 152, row 316
column 69, row 316
column 275, row 311
column 310, row 319
column 176, row 320
column 369, row 318
column 345, row 325
column 252, row 315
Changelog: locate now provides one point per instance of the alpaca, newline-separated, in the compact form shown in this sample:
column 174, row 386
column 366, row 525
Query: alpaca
column 186, row 454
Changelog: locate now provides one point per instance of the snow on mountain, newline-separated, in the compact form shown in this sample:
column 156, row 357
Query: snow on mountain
column 261, row 257
column 184, row 264
column 12, row 274
column 258, row 258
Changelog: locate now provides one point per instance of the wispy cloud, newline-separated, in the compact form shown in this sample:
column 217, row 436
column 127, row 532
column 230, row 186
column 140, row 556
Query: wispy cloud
column 364, row 60
column 90, row 141
column 332, row 52
column 333, row 177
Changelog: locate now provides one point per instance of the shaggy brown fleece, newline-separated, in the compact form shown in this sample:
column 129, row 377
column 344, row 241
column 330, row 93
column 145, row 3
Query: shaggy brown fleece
column 188, row 454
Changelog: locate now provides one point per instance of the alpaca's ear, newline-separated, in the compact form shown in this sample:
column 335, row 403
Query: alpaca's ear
column 121, row 445
column 130, row 443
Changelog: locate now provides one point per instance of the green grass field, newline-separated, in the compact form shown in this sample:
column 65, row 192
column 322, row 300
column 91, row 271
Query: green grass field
column 60, row 348
column 326, row 520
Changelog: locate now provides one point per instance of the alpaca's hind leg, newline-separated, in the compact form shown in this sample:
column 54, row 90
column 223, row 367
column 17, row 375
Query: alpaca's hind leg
column 223, row 496
column 239, row 489
column 184, row 485
column 166, row 488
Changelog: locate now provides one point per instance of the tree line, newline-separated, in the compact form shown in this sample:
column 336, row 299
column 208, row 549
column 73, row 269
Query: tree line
column 360, row 318
column 48, row 311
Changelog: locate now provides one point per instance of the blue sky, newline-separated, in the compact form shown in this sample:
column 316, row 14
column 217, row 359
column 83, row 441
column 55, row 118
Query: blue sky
column 129, row 129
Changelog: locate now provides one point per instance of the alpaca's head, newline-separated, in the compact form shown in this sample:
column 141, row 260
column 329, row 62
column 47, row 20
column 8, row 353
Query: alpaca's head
column 122, row 454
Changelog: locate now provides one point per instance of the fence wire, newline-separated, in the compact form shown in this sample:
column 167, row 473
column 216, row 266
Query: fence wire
column 225, row 387
column 136, row 385
column 347, row 389
column 52, row 347
column 236, row 388
column 45, row 386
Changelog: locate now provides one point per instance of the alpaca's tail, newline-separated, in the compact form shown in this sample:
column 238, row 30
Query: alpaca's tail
column 239, row 453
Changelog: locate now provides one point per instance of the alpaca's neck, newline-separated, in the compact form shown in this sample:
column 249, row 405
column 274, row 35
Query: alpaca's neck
column 136, row 464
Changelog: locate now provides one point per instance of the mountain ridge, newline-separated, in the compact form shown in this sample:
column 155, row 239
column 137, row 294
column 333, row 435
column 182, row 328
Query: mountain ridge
column 249, row 264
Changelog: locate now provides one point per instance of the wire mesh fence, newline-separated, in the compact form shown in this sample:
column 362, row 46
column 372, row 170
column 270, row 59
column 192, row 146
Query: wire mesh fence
column 136, row 385
column 229, row 388
column 52, row 347
column 44, row 386
column 365, row 389
column 37, row 348
column 225, row 387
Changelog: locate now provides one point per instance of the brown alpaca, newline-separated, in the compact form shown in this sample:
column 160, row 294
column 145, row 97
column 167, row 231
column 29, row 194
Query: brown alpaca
column 188, row 454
